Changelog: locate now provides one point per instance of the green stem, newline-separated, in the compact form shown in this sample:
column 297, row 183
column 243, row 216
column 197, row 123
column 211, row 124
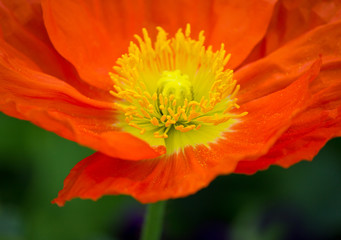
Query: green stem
column 152, row 226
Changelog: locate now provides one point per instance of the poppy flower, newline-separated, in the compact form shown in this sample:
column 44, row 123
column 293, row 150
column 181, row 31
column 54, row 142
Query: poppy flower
column 243, row 85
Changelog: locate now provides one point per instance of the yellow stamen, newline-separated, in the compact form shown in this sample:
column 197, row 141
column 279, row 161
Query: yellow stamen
column 145, row 113
column 154, row 121
column 163, row 118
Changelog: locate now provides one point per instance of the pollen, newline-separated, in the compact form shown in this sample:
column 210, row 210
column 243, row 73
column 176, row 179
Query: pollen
column 175, row 90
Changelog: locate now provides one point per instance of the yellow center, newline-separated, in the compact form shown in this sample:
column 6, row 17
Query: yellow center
column 173, row 83
column 175, row 93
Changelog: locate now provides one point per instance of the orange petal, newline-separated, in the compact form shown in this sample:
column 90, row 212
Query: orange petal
column 282, row 67
column 92, row 35
column 194, row 168
column 316, row 128
column 147, row 181
column 54, row 105
column 22, row 28
column 240, row 25
column 309, row 132
column 291, row 19
column 268, row 117
column 310, row 129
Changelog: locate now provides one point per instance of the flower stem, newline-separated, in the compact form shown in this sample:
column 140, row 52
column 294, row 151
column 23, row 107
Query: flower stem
column 152, row 226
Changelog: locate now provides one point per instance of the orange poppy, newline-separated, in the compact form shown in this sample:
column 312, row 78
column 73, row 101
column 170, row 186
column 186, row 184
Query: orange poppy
column 171, row 115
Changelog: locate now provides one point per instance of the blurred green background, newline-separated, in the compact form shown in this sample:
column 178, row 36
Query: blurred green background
column 302, row 202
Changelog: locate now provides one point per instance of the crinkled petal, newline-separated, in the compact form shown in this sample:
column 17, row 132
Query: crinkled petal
column 22, row 28
column 89, row 34
column 291, row 19
column 313, row 127
column 148, row 181
column 56, row 106
column 240, row 25
column 93, row 34
column 268, row 117
column 310, row 129
column 282, row 67
column 309, row 132
column 195, row 167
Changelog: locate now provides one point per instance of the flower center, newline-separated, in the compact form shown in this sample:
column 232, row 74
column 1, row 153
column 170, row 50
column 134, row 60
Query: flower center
column 176, row 93
column 176, row 86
